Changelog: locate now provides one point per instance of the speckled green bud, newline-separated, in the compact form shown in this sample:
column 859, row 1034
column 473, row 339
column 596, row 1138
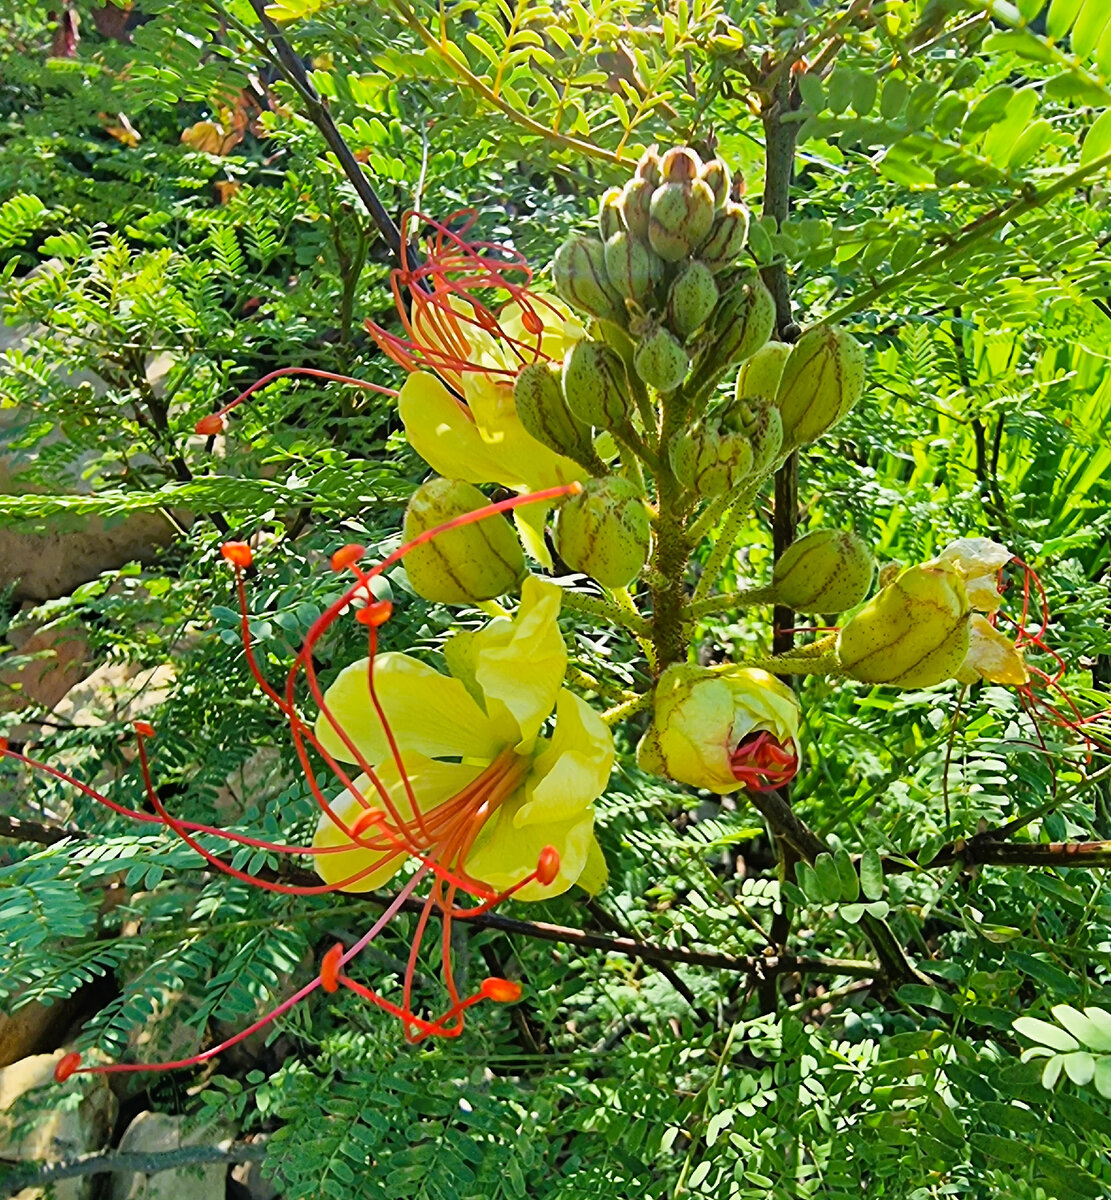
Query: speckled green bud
column 473, row 562
column 579, row 274
column 610, row 220
column 629, row 266
column 544, row 412
column 691, row 299
column 760, row 423
column 760, row 373
column 680, row 217
column 726, row 239
column 605, row 531
column 716, row 174
column 742, row 323
column 596, row 385
column 636, row 203
column 648, row 167
column 822, row 380
column 710, row 460
column 825, row 571
column 913, row 633
column 680, row 165
column 660, row 360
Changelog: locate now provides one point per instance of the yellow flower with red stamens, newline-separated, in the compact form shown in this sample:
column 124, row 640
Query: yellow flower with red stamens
column 461, row 774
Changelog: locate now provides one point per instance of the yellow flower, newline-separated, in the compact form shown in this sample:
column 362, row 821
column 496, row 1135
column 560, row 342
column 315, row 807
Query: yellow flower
column 992, row 656
column 471, row 783
column 979, row 561
column 722, row 730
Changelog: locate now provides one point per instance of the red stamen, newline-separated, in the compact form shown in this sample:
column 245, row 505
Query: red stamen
column 346, row 555
column 763, row 763
column 239, row 554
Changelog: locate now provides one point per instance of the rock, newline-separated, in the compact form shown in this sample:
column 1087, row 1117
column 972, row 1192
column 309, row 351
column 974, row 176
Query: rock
column 152, row 1133
column 116, row 692
column 32, row 1027
column 249, row 1176
column 58, row 658
column 43, row 1121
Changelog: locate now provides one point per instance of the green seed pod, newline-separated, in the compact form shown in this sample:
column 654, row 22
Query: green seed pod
column 579, row 274
column 660, row 360
column 759, row 421
column 605, row 531
column 710, row 460
column 629, row 266
column 680, row 165
column 913, row 633
column 596, row 385
column 716, row 174
column 727, row 237
column 760, row 373
column 822, row 380
column 610, row 220
column 825, row 571
column 691, row 299
column 472, row 562
column 680, row 215
column 544, row 413
column 636, row 203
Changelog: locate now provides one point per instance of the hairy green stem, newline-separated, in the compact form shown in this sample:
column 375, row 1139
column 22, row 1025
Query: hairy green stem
column 603, row 612
column 737, row 512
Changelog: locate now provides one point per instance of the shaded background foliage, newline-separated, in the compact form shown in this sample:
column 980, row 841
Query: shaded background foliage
column 935, row 212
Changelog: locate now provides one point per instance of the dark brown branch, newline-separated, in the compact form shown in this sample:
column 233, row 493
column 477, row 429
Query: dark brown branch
column 38, row 1175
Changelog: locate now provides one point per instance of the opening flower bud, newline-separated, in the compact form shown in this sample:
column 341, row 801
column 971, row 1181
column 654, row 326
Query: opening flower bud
column 760, row 373
column 579, row 274
column 680, row 165
column 636, row 203
column 825, row 571
column 610, row 220
column 822, row 379
column 596, row 385
column 471, row 562
column 726, row 239
column 660, row 360
column 545, row 414
column 605, row 532
column 722, row 731
column 913, row 633
column 629, row 266
column 716, row 175
column 648, row 167
column 760, row 423
column 691, row 299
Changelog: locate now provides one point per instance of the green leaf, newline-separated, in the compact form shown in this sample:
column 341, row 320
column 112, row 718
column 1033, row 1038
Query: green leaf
column 1062, row 13
column 846, row 873
column 829, row 881
column 921, row 996
column 871, row 874
column 1089, row 26
column 1080, row 1067
column 1095, row 1034
column 1045, row 1034
column 893, row 97
column 1097, row 141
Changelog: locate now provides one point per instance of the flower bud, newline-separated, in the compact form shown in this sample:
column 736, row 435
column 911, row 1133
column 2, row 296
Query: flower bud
column 680, row 215
column 709, row 460
column 610, row 220
column 727, row 237
column 691, row 299
column 822, row 379
column 723, row 731
column 579, row 274
column 761, row 372
column 648, row 167
column 471, row 562
column 544, row 413
column 825, row 571
column 716, row 174
column 913, row 633
column 742, row 323
column 636, row 203
column 660, row 360
column 680, row 165
column 596, row 385
column 759, row 421
column 604, row 531
column 629, row 267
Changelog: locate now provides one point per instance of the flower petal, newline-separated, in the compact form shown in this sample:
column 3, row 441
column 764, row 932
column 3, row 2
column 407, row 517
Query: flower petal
column 530, row 521
column 519, row 664
column 428, row 713
column 992, row 656
column 442, row 433
column 979, row 561
column 503, row 854
column 573, row 769
column 561, row 328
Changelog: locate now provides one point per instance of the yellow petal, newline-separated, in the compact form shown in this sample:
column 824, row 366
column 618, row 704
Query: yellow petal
column 428, row 713
column 992, row 656
column 432, row 782
column 573, row 769
column 595, row 873
column 562, row 329
column 530, row 520
column 979, row 561
column 443, row 435
column 519, row 664
column 503, row 854
column 693, row 730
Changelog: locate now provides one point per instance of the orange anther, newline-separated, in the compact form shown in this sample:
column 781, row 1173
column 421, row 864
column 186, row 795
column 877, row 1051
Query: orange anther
column 501, row 991
column 375, row 614
column 211, row 425
column 144, row 729
column 3, row 745
column 329, row 968
column 67, row 1064
column 239, row 554
column 547, row 865
column 370, row 816
column 346, row 555
column 531, row 322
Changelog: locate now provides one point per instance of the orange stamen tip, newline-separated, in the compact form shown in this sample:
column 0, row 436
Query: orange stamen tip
column 211, row 425
column 67, row 1064
column 574, row 488
column 375, row 614
column 329, row 968
column 144, row 729
column 531, row 321
column 3, row 745
column 371, row 816
column 346, row 555
column 501, row 991
column 547, row 865
column 239, row 554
